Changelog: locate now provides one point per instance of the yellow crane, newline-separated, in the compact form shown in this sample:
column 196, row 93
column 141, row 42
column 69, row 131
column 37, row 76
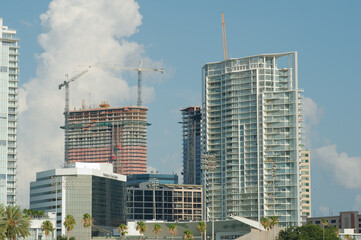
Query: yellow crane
column 224, row 38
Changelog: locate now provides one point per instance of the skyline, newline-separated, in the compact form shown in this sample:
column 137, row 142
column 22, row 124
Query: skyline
column 189, row 38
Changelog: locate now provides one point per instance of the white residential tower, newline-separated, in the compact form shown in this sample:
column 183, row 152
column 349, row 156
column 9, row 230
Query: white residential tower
column 8, row 113
column 252, row 114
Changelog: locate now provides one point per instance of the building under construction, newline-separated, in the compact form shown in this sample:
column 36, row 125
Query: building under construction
column 105, row 134
column 191, row 128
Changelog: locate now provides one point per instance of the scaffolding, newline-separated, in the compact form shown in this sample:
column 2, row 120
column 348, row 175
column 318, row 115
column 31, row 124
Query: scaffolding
column 112, row 135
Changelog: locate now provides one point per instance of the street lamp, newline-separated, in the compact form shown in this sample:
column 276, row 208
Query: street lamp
column 209, row 164
column 154, row 183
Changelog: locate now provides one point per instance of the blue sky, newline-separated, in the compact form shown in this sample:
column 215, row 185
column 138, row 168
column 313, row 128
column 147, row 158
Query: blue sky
column 182, row 36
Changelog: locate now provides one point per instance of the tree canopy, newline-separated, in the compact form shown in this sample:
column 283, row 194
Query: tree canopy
column 308, row 232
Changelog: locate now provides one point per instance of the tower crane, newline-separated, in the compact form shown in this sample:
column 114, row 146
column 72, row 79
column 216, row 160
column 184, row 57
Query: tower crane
column 66, row 112
column 224, row 38
column 139, row 69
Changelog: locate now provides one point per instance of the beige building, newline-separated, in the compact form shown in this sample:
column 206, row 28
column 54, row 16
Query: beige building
column 305, row 170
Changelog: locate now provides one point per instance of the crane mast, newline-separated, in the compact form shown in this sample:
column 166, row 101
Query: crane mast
column 66, row 111
column 224, row 38
column 140, row 69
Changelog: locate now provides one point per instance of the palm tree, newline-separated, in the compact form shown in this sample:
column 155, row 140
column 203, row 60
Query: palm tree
column 141, row 227
column 122, row 229
column 47, row 227
column 201, row 227
column 14, row 222
column 157, row 229
column 69, row 223
column 88, row 221
column 172, row 228
column 324, row 224
column 266, row 224
column 188, row 234
column 273, row 222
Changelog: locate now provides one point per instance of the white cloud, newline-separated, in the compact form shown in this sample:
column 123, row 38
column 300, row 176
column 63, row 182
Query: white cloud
column 345, row 169
column 313, row 113
column 325, row 211
column 357, row 203
column 151, row 169
column 76, row 32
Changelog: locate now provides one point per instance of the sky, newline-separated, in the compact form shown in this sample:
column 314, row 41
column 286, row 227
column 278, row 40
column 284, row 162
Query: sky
column 58, row 36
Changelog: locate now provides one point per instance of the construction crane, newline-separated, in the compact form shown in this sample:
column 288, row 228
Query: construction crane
column 66, row 112
column 139, row 69
column 224, row 38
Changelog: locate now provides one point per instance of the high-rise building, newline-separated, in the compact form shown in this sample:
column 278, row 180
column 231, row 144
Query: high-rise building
column 191, row 128
column 81, row 188
column 305, row 171
column 252, row 124
column 8, row 113
column 116, row 135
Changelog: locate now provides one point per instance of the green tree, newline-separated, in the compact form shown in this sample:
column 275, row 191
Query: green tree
column 122, row 229
column 324, row 224
column 14, row 222
column 157, row 229
column 309, row 231
column 201, row 227
column 69, row 223
column 188, row 234
column 141, row 227
column 47, row 227
column 272, row 224
column 172, row 228
column 266, row 224
column 88, row 221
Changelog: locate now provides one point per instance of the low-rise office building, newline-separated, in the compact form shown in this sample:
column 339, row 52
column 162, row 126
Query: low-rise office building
column 81, row 188
column 171, row 202
column 346, row 220
column 36, row 231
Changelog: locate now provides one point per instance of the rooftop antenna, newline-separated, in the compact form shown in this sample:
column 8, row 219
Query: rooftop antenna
column 224, row 38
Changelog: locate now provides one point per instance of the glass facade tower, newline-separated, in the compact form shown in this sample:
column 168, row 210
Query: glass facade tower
column 8, row 113
column 252, row 124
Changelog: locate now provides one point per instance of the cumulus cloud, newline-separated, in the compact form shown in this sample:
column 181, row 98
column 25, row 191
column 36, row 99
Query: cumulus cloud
column 345, row 169
column 313, row 114
column 76, row 32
